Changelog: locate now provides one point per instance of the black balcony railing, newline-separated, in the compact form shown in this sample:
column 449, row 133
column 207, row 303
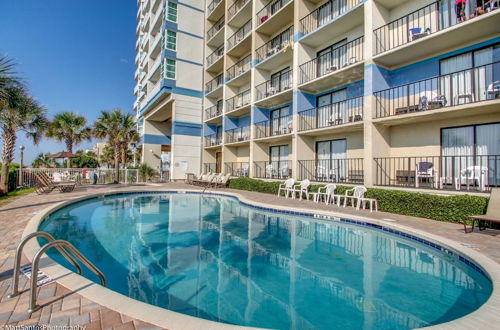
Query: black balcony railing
column 274, row 127
column 235, row 7
column 209, row 167
column 215, row 28
column 275, row 85
column 325, row 13
column 334, row 114
column 479, row 172
column 240, row 100
column 215, row 55
column 273, row 170
column 346, row 170
column 239, row 169
column 212, row 5
column 238, row 134
column 240, row 67
column 468, row 86
column 269, row 10
column 213, row 112
column 425, row 21
column 214, row 83
column 276, row 44
column 213, row 140
column 338, row 58
column 239, row 35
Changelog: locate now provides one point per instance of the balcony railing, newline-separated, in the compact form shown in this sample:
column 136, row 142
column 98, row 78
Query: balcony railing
column 423, row 22
column 239, row 169
column 479, row 172
column 215, row 28
column 238, row 134
column 345, row 170
column 215, row 55
column 235, row 7
column 269, row 10
column 213, row 112
column 240, row 100
column 325, row 13
column 273, row 170
column 276, row 44
column 274, row 86
column 339, row 113
column 274, row 127
column 214, row 83
column 213, row 140
column 239, row 35
column 240, row 67
column 209, row 167
column 338, row 58
column 212, row 5
column 468, row 86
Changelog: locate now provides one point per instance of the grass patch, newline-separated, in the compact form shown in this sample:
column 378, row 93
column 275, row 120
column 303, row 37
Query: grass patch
column 15, row 194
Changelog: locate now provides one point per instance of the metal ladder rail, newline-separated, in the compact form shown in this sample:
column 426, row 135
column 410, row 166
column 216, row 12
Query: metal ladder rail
column 57, row 243
column 19, row 252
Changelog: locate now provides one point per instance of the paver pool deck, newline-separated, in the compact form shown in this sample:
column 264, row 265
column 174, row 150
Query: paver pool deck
column 62, row 307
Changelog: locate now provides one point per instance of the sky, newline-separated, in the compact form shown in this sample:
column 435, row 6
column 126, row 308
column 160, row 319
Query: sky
column 75, row 55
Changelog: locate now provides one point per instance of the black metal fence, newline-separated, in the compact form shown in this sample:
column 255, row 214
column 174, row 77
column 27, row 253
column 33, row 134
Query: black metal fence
column 276, row 44
column 427, row 20
column 325, row 13
column 239, row 35
column 238, row 134
column 239, row 169
column 214, row 83
column 240, row 67
column 338, row 58
column 213, row 140
column 215, row 55
column 215, row 28
column 346, row 170
column 209, row 167
column 275, row 85
column 462, row 87
column 274, row 127
column 479, row 172
column 239, row 100
column 235, row 7
column 273, row 170
column 213, row 112
column 339, row 113
column 269, row 10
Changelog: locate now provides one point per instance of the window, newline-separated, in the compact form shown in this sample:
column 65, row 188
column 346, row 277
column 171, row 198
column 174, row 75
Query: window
column 170, row 40
column 169, row 68
column 172, row 11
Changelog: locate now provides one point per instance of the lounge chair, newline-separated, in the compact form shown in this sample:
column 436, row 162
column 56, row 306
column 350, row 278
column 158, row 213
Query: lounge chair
column 220, row 181
column 354, row 195
column 286, row 187
column 492, row 213
column 46, row 185
column 302, row 189
column 190, row 177
column 203, row 178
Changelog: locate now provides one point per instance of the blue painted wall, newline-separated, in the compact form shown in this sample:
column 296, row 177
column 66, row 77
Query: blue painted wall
column 261, row 114
column 156, row 139
column 230, row 123
column 209, row 129
column 186, row 128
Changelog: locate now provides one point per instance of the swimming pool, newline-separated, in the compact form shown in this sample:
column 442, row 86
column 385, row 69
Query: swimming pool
column 215, row 258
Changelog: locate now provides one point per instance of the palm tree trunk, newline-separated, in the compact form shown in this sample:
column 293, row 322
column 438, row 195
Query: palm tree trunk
column 9, row 143
column 117, row 164
column 69, row 148
column 124, row 157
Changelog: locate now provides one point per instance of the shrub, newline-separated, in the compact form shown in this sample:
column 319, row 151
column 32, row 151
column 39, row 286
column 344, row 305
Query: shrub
column 443, row 208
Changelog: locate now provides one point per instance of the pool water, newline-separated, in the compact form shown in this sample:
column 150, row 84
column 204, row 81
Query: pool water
column 215, row 258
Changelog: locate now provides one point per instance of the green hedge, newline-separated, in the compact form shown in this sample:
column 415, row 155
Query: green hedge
column 443, row 208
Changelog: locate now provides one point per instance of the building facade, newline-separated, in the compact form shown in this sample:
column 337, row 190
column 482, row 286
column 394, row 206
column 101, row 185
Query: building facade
column 393, row 93
column 169, row 78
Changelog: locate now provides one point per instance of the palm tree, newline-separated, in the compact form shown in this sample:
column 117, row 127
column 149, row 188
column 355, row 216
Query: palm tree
column 109, row 126
column 6, row 74
column 20, row 112
column 70, row 128
column 128, row 135
column 107, row 156
column 43, row 160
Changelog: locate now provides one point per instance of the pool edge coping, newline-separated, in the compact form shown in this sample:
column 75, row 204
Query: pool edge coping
column 482, row 317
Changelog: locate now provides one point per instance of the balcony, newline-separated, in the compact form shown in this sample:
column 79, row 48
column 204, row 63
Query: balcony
column 453, row 173
column 333, row 18
column 213, row 140
column 238, row 135
column 421, row 33
column 214, row 58
column 276, row 52
column 239, row 104
column 157, row 45
column 215, row 9
column 213, row 112
column 145, row 43
column 241, row 67
column 145, row 22
column 238, row 12
column 273, row 170
column 444, row 93
column 345, row 170
column 215, row 34
column 274, row 127
column 274, row 16
column 340, row 66
column 237, row 169
column 275, row 91
column 214, row 85
column 346, row 113
column 238, row 43
column 209, row 167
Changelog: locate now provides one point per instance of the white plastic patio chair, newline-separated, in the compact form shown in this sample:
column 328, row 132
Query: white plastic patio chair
column 474, row 175
column 425, row 170
column 327, row 193
column 354, row 195
column 287, row 187
column 431, row 98
column 302, row 189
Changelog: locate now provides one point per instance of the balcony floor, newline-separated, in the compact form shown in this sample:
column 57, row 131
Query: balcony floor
column 240, row 80
column 341, row 77
column 276, row 60
column 217, row 66
column 242, row 47
column 242, row 16
column 279, row 20
column 276, row 99
column 239, row 112
column 214, row 120
column 274, row 138
column 345, row 128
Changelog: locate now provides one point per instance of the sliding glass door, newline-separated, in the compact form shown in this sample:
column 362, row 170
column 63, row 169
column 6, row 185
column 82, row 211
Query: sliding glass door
column 332, row 58
column 278, row 165
column 331, row 160
column 330, row 111
column 280, row 121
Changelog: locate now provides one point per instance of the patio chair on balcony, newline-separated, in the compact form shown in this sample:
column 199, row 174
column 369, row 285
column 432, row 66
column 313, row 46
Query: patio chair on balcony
column 350, row 61
column 270, row 92
column 431, row 100
column 475, row 176
column 243, row 171
column 335, row 119
column 302, row 189
column 418, row 33
column 271, row 171
column 492, row 213
column 493, row 90
column 425, row 171
column 286, row 187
